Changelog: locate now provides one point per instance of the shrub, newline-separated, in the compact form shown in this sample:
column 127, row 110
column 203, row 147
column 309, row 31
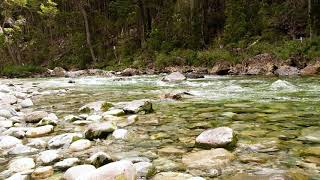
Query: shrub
column 20, row 70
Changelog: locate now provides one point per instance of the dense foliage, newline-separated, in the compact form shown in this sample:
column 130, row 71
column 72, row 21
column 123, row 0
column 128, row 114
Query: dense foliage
column 154, row 33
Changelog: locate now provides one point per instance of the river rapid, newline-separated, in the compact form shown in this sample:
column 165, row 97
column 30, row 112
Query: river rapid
column 276, row 122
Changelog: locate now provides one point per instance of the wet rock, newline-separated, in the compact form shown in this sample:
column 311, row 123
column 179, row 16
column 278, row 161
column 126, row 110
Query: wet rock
column 35, row 117
column 167, row 151
column 174, row 77
column 95, row 106
column 310, row 135
column 94, row 118
column 26, row 103
column 72, row 118
column 99, row 130
column 174, row 176
column 20, row 149
column 66, row 163
column 120, row 134
column 287, row 71
column 130, row 72
column 79, row 172
column 114, row 170
column 51, row 119
column 137, row 106
column 39, row 131
column 311, row 151
column 144, row 169
column 49, row 156
column 21, row 164
column 282, row 85
column 42, row 172
column 208, row 159
column 218, row 137
column 114, row 112
column 37, row 143
column 6, row 113
column 63, row 140
column 132, row 119
column 99, row 159
column 7, row 142
column 164, row 164
column 70, row 81
column 80, row 145
column 177, row 95
column 58, row 72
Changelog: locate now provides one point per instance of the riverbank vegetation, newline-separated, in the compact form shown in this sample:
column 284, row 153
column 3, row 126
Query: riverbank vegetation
column 115, row 34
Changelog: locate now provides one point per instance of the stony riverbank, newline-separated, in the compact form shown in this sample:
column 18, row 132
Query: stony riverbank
column 53, row 131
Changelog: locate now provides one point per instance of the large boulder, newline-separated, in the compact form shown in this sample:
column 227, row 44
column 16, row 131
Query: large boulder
column 130, row 72
column 312, row 69
column 99, row 130
column 173, row 77
column 58, row 72
column 220, row 68
column 137, row 106
column 35, row 117
column 208, row 159
column 116, row 170
column 287, row 71
column 79, row 172
column 217, row 137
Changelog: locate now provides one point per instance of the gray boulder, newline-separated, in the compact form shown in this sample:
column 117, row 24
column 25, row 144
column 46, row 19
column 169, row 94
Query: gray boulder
column 99, row 130
column 137, row 106
column 287, row 71
column 173, row 77
column 217, row 137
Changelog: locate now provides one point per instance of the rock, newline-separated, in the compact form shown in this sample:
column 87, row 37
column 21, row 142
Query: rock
column 164, row 164
column 35, row 116
column 310, row 135
column 114, row 112
column 42, row 172
column 49, row 156
column 94, row 118
column 51, row 119
column 220, row 68
column 7, row 98
column 26, row 103
column 95, row 106
column 99, row 130
column 7, row 142
column 18, row 176
column 174, row 77
column 217, row 137
column 174, row 176
column 21, row 164
column 120, row 134
column 71, row 81
column 66, row 163
column 132, row 119
column 18, row 132
column 177, row 95
column 130, row 72
column 58, row 72
column 194, row 76
column 6, row 113
column 37, row 143
column 99, row 159
column 144, row 169
column 287, row 71
column 79, row 172
column 5, row 89
column 21, row 149
column 208, row 159
column 136, row 106
column 168, row 151
column 313, row 69
column 39, row 131
column 80, row 145
column 114, row 170
column 74, row 74
column 63, row 140
column 311, row 151
column 6, row 123
column 72, row 118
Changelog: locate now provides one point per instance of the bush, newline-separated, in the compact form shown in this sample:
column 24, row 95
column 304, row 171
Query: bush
column 210, row 57
column 20, row 71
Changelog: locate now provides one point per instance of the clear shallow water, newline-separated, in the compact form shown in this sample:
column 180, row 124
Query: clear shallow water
column 268, row 116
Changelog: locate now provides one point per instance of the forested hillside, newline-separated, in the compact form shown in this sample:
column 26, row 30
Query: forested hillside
column 155, row 33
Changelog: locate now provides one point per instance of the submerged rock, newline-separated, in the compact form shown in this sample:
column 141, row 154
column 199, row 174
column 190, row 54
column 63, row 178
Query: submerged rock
column 311, row 151
column 173, row 77
column 218, row 137
column 136, row 106
column 175, row 176
column 310, row 135
column 282, row 85
column 208, row 159
column 99, row 130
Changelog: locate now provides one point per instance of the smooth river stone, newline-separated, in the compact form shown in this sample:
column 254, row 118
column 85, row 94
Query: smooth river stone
column 39, row 131
column 49, row 156
column 35, row 117
column 42, row 172
column 21, row 164
column 7, row 142
column 80, row 145
column 217, row 137
column 78, row 172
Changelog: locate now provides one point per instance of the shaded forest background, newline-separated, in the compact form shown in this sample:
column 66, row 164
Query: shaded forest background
column 114, row 34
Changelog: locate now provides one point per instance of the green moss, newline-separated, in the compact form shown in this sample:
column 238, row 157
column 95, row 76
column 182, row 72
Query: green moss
column 106, row 106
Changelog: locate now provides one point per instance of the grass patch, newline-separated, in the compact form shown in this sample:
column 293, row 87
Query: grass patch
column 20, row 70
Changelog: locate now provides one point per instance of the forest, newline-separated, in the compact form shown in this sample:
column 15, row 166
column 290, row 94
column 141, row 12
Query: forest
column 115, row 34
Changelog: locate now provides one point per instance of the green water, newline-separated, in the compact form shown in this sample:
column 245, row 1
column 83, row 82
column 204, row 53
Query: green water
column 263, row 115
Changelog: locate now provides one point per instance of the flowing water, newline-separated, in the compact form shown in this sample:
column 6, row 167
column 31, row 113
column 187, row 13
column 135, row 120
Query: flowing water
column 268, row 115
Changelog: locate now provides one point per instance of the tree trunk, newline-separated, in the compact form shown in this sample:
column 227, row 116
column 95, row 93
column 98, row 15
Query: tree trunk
column 88, row 35
column 142, row 22
column 205, row 32
column 310, row 20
